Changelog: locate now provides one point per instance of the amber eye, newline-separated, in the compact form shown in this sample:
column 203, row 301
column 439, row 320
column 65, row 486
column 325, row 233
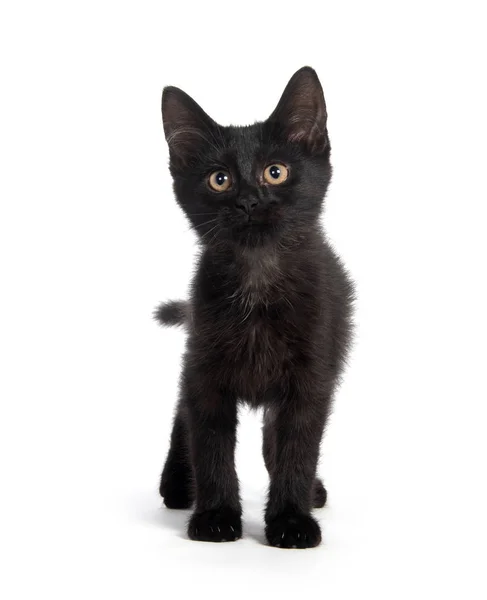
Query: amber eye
column 220, row 181
column 276, row 174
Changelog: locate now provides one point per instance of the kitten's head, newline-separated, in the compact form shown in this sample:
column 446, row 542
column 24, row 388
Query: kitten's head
column 255, row 184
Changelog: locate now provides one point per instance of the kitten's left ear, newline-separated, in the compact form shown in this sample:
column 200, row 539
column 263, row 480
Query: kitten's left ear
column 301, row 112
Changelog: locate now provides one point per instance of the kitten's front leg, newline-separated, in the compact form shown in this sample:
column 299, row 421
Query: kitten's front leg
column 212, row 425
column 298, row 426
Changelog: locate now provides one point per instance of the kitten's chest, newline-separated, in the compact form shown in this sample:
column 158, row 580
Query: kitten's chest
column 252, row 338
column 258, row 338
column 260, row 349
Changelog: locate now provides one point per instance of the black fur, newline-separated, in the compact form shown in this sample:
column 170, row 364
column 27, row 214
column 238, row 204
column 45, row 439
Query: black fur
column 269, row 316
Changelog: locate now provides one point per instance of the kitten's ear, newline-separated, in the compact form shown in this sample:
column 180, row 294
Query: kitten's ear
column 300, row 115
column 187, row 127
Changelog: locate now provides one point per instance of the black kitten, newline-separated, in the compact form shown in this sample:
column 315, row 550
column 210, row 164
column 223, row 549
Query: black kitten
column 269, row 313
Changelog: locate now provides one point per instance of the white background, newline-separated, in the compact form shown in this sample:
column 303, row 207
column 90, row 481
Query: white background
column 91, row 240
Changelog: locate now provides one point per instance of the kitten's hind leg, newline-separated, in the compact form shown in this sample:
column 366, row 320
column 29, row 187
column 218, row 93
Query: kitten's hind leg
column 269, row 440
column 319, row 494
column 177, row 480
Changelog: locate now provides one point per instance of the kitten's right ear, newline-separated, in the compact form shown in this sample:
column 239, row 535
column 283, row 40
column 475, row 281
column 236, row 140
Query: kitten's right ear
column 186, row 125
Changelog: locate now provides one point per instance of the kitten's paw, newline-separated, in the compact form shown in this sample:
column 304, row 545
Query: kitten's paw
column 293, row 531
column 319, row 494
column 177, row 490
column 178, row 498
column 221, row 525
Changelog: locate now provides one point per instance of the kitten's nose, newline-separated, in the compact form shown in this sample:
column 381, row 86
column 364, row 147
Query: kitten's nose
column 246, row 204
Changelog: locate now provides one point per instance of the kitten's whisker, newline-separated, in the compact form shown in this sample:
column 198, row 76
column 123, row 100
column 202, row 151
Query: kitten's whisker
column 208, row 232
column 199, row 214
column 202, row 224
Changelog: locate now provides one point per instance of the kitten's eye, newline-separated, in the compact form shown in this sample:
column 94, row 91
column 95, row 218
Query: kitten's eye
column 220, row 181
column 276, row 174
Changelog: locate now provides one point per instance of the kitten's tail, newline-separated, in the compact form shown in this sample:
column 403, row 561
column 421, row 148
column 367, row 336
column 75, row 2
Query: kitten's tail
column 175, row 312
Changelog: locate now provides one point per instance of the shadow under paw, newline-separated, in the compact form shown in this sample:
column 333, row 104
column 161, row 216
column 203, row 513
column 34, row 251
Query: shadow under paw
column 220, row 525
column 293, row 531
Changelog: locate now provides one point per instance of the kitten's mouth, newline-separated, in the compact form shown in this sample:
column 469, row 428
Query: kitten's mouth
column 253, row 224
column 246, row 220
column 253, row 220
